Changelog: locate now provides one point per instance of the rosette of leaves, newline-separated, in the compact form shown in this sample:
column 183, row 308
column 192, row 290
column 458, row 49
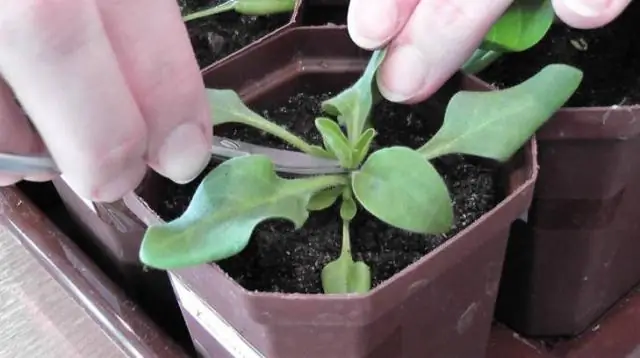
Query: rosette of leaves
column 397, row 184
column 244, row 7
column 521, row 27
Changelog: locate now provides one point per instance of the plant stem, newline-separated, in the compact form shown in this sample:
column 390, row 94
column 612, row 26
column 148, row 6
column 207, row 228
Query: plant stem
column 264, row 7
column 480, row 60
column 277, row 131
column 346, row 240
column 224, row 7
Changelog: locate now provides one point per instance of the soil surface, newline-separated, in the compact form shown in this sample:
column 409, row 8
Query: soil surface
column 217, row 36
column 280, row 259
column 609, row 58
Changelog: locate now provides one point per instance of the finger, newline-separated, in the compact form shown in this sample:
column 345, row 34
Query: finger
column 58, row 60
column 373, row 23
column 16, row 136
column 165, row 80
column 589, row 14
column 438, row 38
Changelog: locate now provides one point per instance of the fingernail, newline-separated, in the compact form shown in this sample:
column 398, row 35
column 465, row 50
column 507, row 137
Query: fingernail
column 373, row 24
column 587, row 8
column 403, row 73
column 123, row 183
column 184, row 154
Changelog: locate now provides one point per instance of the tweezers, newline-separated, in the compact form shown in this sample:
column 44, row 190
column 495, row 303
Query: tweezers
column 223, row 148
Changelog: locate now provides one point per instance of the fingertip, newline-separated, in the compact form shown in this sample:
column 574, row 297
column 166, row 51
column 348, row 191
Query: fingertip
column 406, row 76
column 185, row 153
column 125, row 182
column 371, row 24
column 588, row 14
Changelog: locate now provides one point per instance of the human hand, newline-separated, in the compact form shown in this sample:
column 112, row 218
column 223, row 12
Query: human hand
column 112, row 86
column 429, row 40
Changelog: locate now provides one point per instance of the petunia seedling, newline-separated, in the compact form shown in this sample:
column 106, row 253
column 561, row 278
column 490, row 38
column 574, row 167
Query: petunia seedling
column 398, row 185
column 245, row 7
column 521, row 27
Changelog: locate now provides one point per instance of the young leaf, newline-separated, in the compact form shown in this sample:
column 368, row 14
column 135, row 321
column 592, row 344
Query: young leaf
column 352, row 106
column 401, row 188
column 496, row 124
column 361, row 149
column 324, row 198
column 227, row 107
column 344, row 275
column 348, row 209
column 522, row 26
column 226, row 207
column 335, row 140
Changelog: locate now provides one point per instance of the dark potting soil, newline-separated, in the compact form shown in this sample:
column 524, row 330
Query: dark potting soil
column 217, row 36
column 280, row 259
column 608, row 56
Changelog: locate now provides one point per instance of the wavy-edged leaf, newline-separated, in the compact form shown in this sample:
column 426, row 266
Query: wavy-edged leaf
column 496, row 124
column 352, row 106
column 522, row 26
column 226, row 207
column 335, row 141
column 401, row 188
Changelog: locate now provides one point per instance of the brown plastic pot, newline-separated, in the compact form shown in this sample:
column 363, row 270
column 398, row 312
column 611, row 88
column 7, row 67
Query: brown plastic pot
column 204, row 45
column 578, row 253
column 440, row 306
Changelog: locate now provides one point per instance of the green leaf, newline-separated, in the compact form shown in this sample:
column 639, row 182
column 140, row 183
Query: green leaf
column 496, row 124
column 362, row 146
column 344, row 275
column 335, row 140
column 324, row 198
column 522, row 26
column 227, row 107
column 401, row 188
column 214, row 10
column 226, row 207
column 348, row 209
column 352, row 106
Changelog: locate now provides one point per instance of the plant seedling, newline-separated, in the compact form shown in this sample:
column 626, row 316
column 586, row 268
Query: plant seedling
column 521, row 27
column 245, row 7
column 396, row 184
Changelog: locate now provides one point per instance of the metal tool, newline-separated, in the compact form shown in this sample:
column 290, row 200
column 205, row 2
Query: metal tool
column 223, row 148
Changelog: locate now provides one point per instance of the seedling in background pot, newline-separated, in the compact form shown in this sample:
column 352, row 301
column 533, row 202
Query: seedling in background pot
column 521, row 27
column 396, row 184
column 245, row 7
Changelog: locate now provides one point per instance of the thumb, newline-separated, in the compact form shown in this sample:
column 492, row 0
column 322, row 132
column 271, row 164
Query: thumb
column 589, row 14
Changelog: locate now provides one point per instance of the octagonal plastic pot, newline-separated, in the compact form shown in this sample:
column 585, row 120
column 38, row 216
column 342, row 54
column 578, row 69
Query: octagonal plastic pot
column 218, row 38
column 578, row 253
column 440, row 306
